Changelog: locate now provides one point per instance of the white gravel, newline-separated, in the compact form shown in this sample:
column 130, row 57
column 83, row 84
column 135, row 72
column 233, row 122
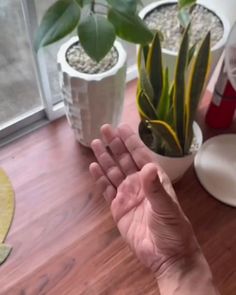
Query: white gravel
column 81, row 62
column 165, row 19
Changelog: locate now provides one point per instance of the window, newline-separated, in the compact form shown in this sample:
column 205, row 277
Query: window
column 29, row 84
column 19, row 94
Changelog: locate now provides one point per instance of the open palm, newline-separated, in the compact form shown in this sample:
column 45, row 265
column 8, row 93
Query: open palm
column 143, row 202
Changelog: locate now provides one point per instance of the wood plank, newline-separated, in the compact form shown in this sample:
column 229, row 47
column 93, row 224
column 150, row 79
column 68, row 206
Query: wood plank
column 63, row 236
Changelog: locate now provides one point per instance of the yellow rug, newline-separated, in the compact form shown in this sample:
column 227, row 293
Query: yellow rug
column 7, row 205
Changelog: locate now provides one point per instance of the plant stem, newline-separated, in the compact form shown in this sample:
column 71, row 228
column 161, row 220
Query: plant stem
column 93, row 6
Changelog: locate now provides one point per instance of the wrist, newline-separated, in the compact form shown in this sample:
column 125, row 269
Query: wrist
column 189, row 274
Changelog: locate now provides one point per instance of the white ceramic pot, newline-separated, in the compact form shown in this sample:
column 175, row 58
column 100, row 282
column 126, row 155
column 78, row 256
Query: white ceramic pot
column 175, row 167
column 92, row 100
column 169, row 57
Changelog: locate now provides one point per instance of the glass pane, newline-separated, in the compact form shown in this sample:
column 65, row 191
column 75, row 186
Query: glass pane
column 47, row 59
column 18, row 87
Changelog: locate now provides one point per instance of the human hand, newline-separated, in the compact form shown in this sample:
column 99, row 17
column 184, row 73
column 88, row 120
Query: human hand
column 142, row 200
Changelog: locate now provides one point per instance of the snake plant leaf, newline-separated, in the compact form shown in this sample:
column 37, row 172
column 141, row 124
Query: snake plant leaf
column 191, row 53
column 145, row 107
column 142, row 53
column 130, row 27
column 164, row 102
column 195, row 86
column 5, row 251
column 170, row 113
column 154, row 68
column 179, row 87
column 167, row 134
column 184, row 17
column 144, row 81
column 185, row 3
column 6, row 205
column 59, row 20
column 97, row 35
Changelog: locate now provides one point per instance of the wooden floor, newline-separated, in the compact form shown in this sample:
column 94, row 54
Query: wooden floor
column 64, row 239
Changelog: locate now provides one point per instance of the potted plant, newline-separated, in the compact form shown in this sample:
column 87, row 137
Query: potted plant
column 170, row 16
column 92, row 65
column 167, row 109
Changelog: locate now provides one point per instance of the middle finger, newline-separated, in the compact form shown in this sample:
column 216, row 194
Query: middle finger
column 109, row 166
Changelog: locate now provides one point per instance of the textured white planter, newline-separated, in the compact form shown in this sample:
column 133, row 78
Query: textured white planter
column 92, row 100
column 176, row 167
column 169, row 57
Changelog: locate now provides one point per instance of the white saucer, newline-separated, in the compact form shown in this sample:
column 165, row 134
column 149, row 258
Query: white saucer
column 215, row 165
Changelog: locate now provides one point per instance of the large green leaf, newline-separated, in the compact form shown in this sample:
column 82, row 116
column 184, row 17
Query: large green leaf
column 59, row 20
column 179, row 87
column 154, row 68
column 145, row 107
column 186, row 3
column 167, row 134
column 97, row 35
column 124, row 5
column 196, row 84
column 164, row 103
column 130, row 27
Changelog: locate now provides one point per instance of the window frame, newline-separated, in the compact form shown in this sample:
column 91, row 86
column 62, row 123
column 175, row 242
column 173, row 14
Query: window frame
column 48, row 112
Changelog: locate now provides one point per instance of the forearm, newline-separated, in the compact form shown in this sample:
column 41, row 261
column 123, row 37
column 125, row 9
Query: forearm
column 188, row 276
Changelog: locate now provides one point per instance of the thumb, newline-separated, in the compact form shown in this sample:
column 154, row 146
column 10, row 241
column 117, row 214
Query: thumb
column 154, row 190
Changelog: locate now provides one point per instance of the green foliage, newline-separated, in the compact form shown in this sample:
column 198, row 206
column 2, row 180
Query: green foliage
column 96, row 31
column 97, row 35
column 168, row 107
column 186, row 3
column 184, row 14
column 59, row 20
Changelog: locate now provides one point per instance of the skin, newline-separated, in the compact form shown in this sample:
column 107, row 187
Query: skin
column 147, row 213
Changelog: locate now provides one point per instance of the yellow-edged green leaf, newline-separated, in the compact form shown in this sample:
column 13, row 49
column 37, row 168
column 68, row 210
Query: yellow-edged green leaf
column 6, row 205
column 145, row 107
column 164, row 102
column 179, row 87
column 170, row 115
column 154, row 68
column 145, row 84
column 191, row 53
column 142, row 53
column 5, row 251
column 195, row 86
column 167, row 134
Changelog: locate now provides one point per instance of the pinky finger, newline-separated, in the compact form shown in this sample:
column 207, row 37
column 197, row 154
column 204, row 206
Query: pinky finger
column 102, row 182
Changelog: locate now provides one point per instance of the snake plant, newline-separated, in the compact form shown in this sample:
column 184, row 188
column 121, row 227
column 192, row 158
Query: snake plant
column 167, row 109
